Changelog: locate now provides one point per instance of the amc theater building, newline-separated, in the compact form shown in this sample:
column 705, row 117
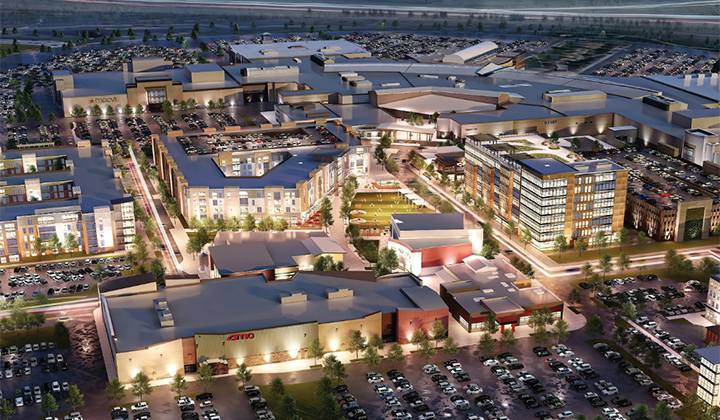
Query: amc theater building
column 226, row 322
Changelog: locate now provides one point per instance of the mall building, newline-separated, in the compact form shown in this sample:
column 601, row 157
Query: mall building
column 146, row 81
column 229, row 321
column 62, row 191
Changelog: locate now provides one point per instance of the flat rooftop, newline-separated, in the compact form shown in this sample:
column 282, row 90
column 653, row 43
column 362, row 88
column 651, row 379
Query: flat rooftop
column 201, row 170
column 93, row 173
column 298, row 49
column 231, row 305
column 428, row 221
column 546, row 166
column 241, row 252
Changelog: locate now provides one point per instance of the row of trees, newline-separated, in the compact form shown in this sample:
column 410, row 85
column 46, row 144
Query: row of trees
column 54, row 244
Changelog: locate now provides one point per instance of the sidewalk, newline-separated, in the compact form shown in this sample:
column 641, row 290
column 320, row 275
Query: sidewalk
column 351, row 260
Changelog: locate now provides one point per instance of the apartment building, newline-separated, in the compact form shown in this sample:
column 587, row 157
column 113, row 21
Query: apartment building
column 61, row 192
column 287, row 183
column 543, row 194
column 708, row 388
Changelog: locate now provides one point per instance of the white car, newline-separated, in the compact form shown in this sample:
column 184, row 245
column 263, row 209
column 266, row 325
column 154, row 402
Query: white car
column 449, row 389
column 566, row 415
column 60, row 358
column 472, row 389
column 141, row 406
column 430, row 369
column 182, row 401
column 491, row 362
column 66, row 387
column 206, row 403
column 51, row 358
column 607, row 411
column 427, row 416
column 74, row 416
column 611, row 390
column 56, row 387
column 392, row 402
column 375, row 379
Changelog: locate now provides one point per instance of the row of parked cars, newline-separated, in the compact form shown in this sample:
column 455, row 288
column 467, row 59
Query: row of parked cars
column 258, row 403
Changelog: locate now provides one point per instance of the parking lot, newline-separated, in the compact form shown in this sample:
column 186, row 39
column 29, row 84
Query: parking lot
column 213, row 143
column 55, row 279
column 650, row 61
column 501, row 394
column 54, row 370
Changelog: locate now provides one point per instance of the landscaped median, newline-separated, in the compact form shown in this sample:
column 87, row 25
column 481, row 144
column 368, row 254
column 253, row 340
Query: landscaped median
column 307, row 402
column 649, row 372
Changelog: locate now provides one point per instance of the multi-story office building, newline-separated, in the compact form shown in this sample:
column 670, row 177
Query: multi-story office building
column 60, row 192
column 712, row 306
column 708, row 388
column 545, row 195
column 287, row 183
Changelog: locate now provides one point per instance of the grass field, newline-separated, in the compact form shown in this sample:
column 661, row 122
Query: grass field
column 594, row 254
column 378, row 208
column 23, row 47
column 304, row 394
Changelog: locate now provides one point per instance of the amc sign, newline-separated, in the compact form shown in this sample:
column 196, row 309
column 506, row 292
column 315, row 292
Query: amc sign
column 103, row 100
column 243, row 336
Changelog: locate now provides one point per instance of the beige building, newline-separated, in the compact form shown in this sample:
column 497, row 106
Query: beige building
column 64, row 191
column 147, row 82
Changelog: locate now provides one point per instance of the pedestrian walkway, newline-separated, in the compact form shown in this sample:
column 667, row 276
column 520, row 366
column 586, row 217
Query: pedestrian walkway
column 657, row 340
column 351, row 260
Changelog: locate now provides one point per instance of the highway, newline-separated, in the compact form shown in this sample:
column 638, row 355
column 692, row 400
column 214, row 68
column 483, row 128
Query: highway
column 604, row 11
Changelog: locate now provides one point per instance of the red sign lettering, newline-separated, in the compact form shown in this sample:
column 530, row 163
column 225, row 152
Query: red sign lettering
column 243, row 336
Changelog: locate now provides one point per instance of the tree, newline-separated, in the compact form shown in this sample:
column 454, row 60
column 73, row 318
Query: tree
column 288, row 407
column 376, row 341
column 450, row 347
column 74, row 398
column 387, row 262
column 641, row 238
column 158, row 271
column 417, row 338
column 178, row 384
column 356, row 342
column 277, row 387
column 605, row 264
column 620, row 335
column 205, row 376
column 39, row 247
column 248, row 224
column 580, row 245
column 623, row 261
column 6, row 409
column 71, row 243
column 391, row 165
column 371, row 357
column 430, row 171
column 315, row 350
column 525, row 237
column 77, row 112
column 490, row 325
column 652, row 359
column 141, row 249
column 95, row 111
column 395, row 354
column 52, row 117
column 662, row 412
column 559, row 331
column 595, row 326
column 54, row 243
column 167, row 108
column 334, row 368
column 486, row 343
column 600, row 239
column 623, row 237
column 243, row 374
column 560, row 244
column 48, row 404
column 140, row 385
column 587, row 270
column 574, row 297
column 628, row 311
column 114, row 390
column 708, row 266
column 541, row 335
column 265, row 224
column 326, row 218
column 426, row 350
column 139, row 109
column 437, row 331
column 507, row 339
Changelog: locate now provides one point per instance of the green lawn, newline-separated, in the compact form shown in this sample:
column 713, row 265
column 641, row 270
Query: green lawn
column 35, row 336
column 22, row 47
column 681, row 321
column 377, row 208
column 594, row 254
column 304, row 394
